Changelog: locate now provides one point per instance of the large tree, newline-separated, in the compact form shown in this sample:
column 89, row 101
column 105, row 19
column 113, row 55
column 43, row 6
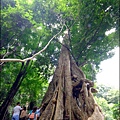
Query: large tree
column 27, row 26
column 69, row 94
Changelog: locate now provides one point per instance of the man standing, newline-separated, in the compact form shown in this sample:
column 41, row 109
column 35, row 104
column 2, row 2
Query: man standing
column 16, row 111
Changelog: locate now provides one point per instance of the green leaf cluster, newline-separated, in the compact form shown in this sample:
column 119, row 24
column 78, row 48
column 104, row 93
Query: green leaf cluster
column 27, row 26
column 108, row 99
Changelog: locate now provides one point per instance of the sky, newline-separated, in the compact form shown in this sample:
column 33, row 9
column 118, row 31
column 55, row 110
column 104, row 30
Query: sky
column 109, row 75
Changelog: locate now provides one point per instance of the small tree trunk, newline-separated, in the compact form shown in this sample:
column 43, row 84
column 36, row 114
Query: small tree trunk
column 69, row 94
column 13, row 91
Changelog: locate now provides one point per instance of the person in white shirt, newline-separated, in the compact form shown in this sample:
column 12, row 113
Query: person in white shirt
column 16, row 111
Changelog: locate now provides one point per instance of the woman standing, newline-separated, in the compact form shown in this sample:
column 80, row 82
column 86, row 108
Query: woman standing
column 33, row 115
column 23, row 115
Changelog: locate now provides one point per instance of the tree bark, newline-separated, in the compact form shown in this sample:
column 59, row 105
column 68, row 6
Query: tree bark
column 69, row 94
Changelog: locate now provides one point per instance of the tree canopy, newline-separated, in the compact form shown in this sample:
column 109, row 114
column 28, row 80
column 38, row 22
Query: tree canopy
column 27, row 26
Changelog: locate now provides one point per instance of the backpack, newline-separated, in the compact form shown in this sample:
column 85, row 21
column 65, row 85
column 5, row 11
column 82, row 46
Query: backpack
column 32, row 116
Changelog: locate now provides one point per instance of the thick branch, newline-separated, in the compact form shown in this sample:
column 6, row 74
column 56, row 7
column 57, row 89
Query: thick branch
column 30, row 58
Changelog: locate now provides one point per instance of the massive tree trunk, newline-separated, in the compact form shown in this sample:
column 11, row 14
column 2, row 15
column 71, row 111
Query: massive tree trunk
column 69, row 94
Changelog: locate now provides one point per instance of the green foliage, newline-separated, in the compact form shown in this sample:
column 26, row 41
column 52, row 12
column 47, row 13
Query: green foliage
column 36, row 81
column 108, row 99
column 110, row 94
column 106, row 108
column 7, row 78
column 116, row 111
column 27, row 26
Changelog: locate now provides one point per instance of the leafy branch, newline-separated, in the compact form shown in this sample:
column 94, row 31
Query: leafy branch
column 30, row 58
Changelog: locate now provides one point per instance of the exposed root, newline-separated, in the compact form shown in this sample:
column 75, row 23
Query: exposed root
column 97, row 114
